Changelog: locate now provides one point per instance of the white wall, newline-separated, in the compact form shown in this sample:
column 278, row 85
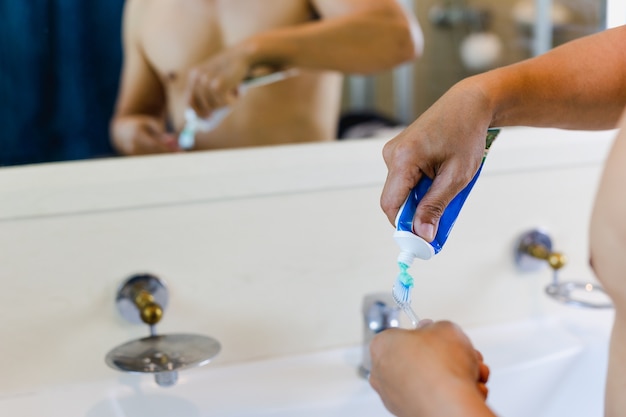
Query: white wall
column 615, row 13
column 268, row 250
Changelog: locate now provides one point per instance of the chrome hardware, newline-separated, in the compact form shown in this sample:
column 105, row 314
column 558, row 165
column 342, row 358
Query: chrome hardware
column 581, row 294
column 142, row 298
column 531, row 249
column 534, row 251
column 380, row 312
column 163, row 355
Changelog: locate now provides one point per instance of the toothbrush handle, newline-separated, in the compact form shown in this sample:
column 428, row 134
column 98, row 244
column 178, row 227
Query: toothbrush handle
column 267, row 79
column 408, row 310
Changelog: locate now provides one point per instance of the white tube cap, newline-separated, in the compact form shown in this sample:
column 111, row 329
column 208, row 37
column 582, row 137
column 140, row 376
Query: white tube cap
column 412, row 246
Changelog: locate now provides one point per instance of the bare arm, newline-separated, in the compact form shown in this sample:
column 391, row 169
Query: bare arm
column 352, row 36
column 579, row 85
column 138, row 124
column 608, row 246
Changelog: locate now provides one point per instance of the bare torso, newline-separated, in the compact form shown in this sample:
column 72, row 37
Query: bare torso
column 176, row 35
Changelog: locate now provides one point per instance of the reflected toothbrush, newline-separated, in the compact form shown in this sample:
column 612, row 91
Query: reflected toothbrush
column 401, row 293
column 193, row 123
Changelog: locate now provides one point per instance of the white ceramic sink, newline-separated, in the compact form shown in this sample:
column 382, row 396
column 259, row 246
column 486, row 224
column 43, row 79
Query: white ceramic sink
column 549, row 367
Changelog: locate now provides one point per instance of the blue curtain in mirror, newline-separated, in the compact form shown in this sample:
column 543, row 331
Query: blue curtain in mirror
column 60, row 63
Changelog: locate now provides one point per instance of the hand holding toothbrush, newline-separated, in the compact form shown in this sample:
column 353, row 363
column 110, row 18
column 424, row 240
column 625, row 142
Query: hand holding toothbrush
column 215, row 85
column 431, row 371
column 217, row 82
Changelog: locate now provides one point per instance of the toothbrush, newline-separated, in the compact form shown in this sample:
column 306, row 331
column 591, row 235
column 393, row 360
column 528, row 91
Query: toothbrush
column 193, row 123
column 401, row 293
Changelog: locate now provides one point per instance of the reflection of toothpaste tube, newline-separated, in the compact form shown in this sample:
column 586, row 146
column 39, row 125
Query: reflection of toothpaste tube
column 413, row 246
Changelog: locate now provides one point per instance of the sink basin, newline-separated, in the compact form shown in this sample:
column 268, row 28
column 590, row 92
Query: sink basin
column 542, row 368
column 547, row 368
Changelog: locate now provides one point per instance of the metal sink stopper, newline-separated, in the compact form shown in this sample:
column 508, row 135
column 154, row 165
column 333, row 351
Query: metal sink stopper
column 142, row 298
column 534, row 250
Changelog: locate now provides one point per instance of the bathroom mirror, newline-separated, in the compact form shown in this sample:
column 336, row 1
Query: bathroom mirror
column 60, row 82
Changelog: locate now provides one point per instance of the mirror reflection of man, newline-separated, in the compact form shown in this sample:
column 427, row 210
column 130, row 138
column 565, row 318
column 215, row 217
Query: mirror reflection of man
column 181, row 54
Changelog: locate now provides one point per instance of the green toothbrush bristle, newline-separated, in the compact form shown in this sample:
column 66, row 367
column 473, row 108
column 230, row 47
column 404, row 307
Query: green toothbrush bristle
column 403, row 276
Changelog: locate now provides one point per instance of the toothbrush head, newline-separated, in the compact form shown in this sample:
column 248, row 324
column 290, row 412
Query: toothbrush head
column 186, row 139
column 402, row 288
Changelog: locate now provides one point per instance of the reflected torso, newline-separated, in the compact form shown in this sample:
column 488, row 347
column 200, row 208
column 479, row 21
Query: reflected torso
column 176, row 35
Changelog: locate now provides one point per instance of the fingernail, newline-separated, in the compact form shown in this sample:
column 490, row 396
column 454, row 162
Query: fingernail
column 426, row 231
column 424, row 322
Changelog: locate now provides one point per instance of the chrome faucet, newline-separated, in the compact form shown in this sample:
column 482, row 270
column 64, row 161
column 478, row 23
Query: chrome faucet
column 380, row 312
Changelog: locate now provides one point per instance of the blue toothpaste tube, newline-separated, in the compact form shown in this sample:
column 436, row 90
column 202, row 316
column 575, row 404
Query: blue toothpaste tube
column 413, row 246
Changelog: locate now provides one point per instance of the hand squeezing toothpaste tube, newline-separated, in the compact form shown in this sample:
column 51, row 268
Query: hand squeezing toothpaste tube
column 413, row 246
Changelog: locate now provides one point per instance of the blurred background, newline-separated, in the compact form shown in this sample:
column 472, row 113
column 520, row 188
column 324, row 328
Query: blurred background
column 464, row 37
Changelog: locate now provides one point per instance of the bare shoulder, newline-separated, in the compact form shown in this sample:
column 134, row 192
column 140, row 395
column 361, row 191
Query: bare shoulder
column 608, row 224
column 139, row 5
column 137, row 15
column 135, row 9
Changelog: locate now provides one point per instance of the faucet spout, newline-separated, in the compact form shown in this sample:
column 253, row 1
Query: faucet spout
column 380, row 312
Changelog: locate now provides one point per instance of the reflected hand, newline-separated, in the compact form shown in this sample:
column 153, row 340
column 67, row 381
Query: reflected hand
column 215, row 83
column 139, row 135
column 433, row 370
column 446, row 143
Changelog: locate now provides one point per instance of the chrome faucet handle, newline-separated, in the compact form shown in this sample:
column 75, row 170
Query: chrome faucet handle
column 534, row 250
column 142, row 298
column 380, row 312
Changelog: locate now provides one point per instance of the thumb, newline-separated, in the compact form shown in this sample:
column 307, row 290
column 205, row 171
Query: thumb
column 446, row 185
column 424, row 323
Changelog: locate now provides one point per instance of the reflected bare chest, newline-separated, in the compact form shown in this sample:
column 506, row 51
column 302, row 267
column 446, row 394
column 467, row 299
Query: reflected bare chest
column 176, row 35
